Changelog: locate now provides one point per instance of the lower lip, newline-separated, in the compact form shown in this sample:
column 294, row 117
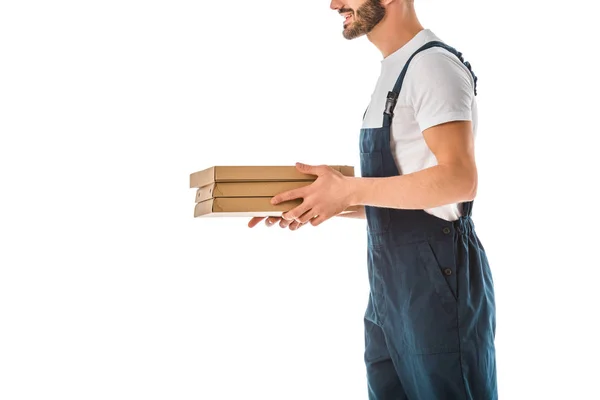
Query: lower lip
column 347, row 20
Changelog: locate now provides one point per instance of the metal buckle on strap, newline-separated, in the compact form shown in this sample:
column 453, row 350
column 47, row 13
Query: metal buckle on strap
column 390, row 103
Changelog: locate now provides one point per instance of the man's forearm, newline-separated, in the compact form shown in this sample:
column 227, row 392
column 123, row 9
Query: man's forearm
column 428, row 188
column 358, row 214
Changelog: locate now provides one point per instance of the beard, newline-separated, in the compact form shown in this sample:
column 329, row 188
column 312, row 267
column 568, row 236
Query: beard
column 366, row 17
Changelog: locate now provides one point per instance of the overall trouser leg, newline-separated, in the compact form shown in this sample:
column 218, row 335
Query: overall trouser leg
column 382, row 377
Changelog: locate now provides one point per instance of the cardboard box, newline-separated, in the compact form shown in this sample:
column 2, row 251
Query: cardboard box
column 246, row 207
column 243, row 207
column 255, row 174
column 246, row 189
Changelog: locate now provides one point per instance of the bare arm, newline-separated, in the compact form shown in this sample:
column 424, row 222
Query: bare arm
column 360, row 214
column 453, row 180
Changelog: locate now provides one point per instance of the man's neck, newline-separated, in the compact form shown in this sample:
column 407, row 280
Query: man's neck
column 396, row 29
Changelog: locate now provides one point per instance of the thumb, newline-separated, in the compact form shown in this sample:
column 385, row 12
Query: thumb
column 306, row 169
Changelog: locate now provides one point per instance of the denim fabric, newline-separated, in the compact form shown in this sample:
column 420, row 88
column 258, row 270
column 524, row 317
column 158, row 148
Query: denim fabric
column 430, row 320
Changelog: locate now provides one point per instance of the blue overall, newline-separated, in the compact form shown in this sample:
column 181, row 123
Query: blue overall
column 430, row 321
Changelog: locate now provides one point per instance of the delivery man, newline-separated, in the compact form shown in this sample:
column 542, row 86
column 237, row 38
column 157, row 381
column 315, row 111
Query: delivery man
column 430, row 320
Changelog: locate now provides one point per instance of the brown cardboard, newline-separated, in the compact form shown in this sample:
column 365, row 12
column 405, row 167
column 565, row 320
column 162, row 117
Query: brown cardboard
column 255, row 173
column 246, row 189
column 243, row 207
column 246, row 207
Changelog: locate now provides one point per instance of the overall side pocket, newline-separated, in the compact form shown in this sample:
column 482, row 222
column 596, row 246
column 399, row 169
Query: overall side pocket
column 437, row 277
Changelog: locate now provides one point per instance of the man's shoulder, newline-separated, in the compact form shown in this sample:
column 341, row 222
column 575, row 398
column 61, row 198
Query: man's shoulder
column 437, row 67
column 435, row 64
column 437, row 60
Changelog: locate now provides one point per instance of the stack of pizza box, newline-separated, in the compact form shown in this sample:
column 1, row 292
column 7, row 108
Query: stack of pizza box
column 246, row 191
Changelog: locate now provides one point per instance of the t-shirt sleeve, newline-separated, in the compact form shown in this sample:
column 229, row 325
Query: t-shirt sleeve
column 440, row 89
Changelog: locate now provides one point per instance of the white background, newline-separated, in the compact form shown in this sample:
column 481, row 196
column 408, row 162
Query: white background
column 110, row 289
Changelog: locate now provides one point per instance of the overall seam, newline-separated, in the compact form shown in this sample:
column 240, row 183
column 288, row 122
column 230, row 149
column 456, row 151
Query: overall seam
column 458, row 320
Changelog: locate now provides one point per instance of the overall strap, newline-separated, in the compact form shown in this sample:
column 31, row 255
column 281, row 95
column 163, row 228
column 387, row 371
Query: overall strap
column 392, row 97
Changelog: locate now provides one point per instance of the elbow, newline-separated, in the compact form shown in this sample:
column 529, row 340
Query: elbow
column 470, row 190
column 468, row 184
column 470, row 194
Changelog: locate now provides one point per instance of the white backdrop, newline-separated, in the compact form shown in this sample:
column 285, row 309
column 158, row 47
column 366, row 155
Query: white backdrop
column 110, row 289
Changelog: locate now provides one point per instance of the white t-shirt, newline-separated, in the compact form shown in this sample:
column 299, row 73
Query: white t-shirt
column 437, row 88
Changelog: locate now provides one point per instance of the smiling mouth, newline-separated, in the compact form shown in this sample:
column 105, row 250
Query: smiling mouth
column 347, row 19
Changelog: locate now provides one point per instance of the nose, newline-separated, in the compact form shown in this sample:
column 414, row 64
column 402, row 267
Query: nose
column 335, row 4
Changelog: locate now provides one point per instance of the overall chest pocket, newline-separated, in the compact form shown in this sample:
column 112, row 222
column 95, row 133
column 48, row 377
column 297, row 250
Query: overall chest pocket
column 378, row 218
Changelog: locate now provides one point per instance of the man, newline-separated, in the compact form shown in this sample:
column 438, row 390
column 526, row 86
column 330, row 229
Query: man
column 430, row 319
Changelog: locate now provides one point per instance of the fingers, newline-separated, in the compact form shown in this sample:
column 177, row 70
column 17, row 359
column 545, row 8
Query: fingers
column 296, row 225
column 306, row 169
column 254, row 221
column 284, row 223
column 290, row 195
column 312, row 169
column 307, row 216
column 297, row 212
column 302, row 220
column 292, row 224
column 318, row 221
column 270, row 221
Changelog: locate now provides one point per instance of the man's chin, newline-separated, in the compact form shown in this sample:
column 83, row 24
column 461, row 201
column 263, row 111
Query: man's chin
column 352, row 35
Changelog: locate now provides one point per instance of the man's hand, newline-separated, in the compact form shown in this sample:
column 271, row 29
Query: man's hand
column 271, row 221
column 329, row 195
